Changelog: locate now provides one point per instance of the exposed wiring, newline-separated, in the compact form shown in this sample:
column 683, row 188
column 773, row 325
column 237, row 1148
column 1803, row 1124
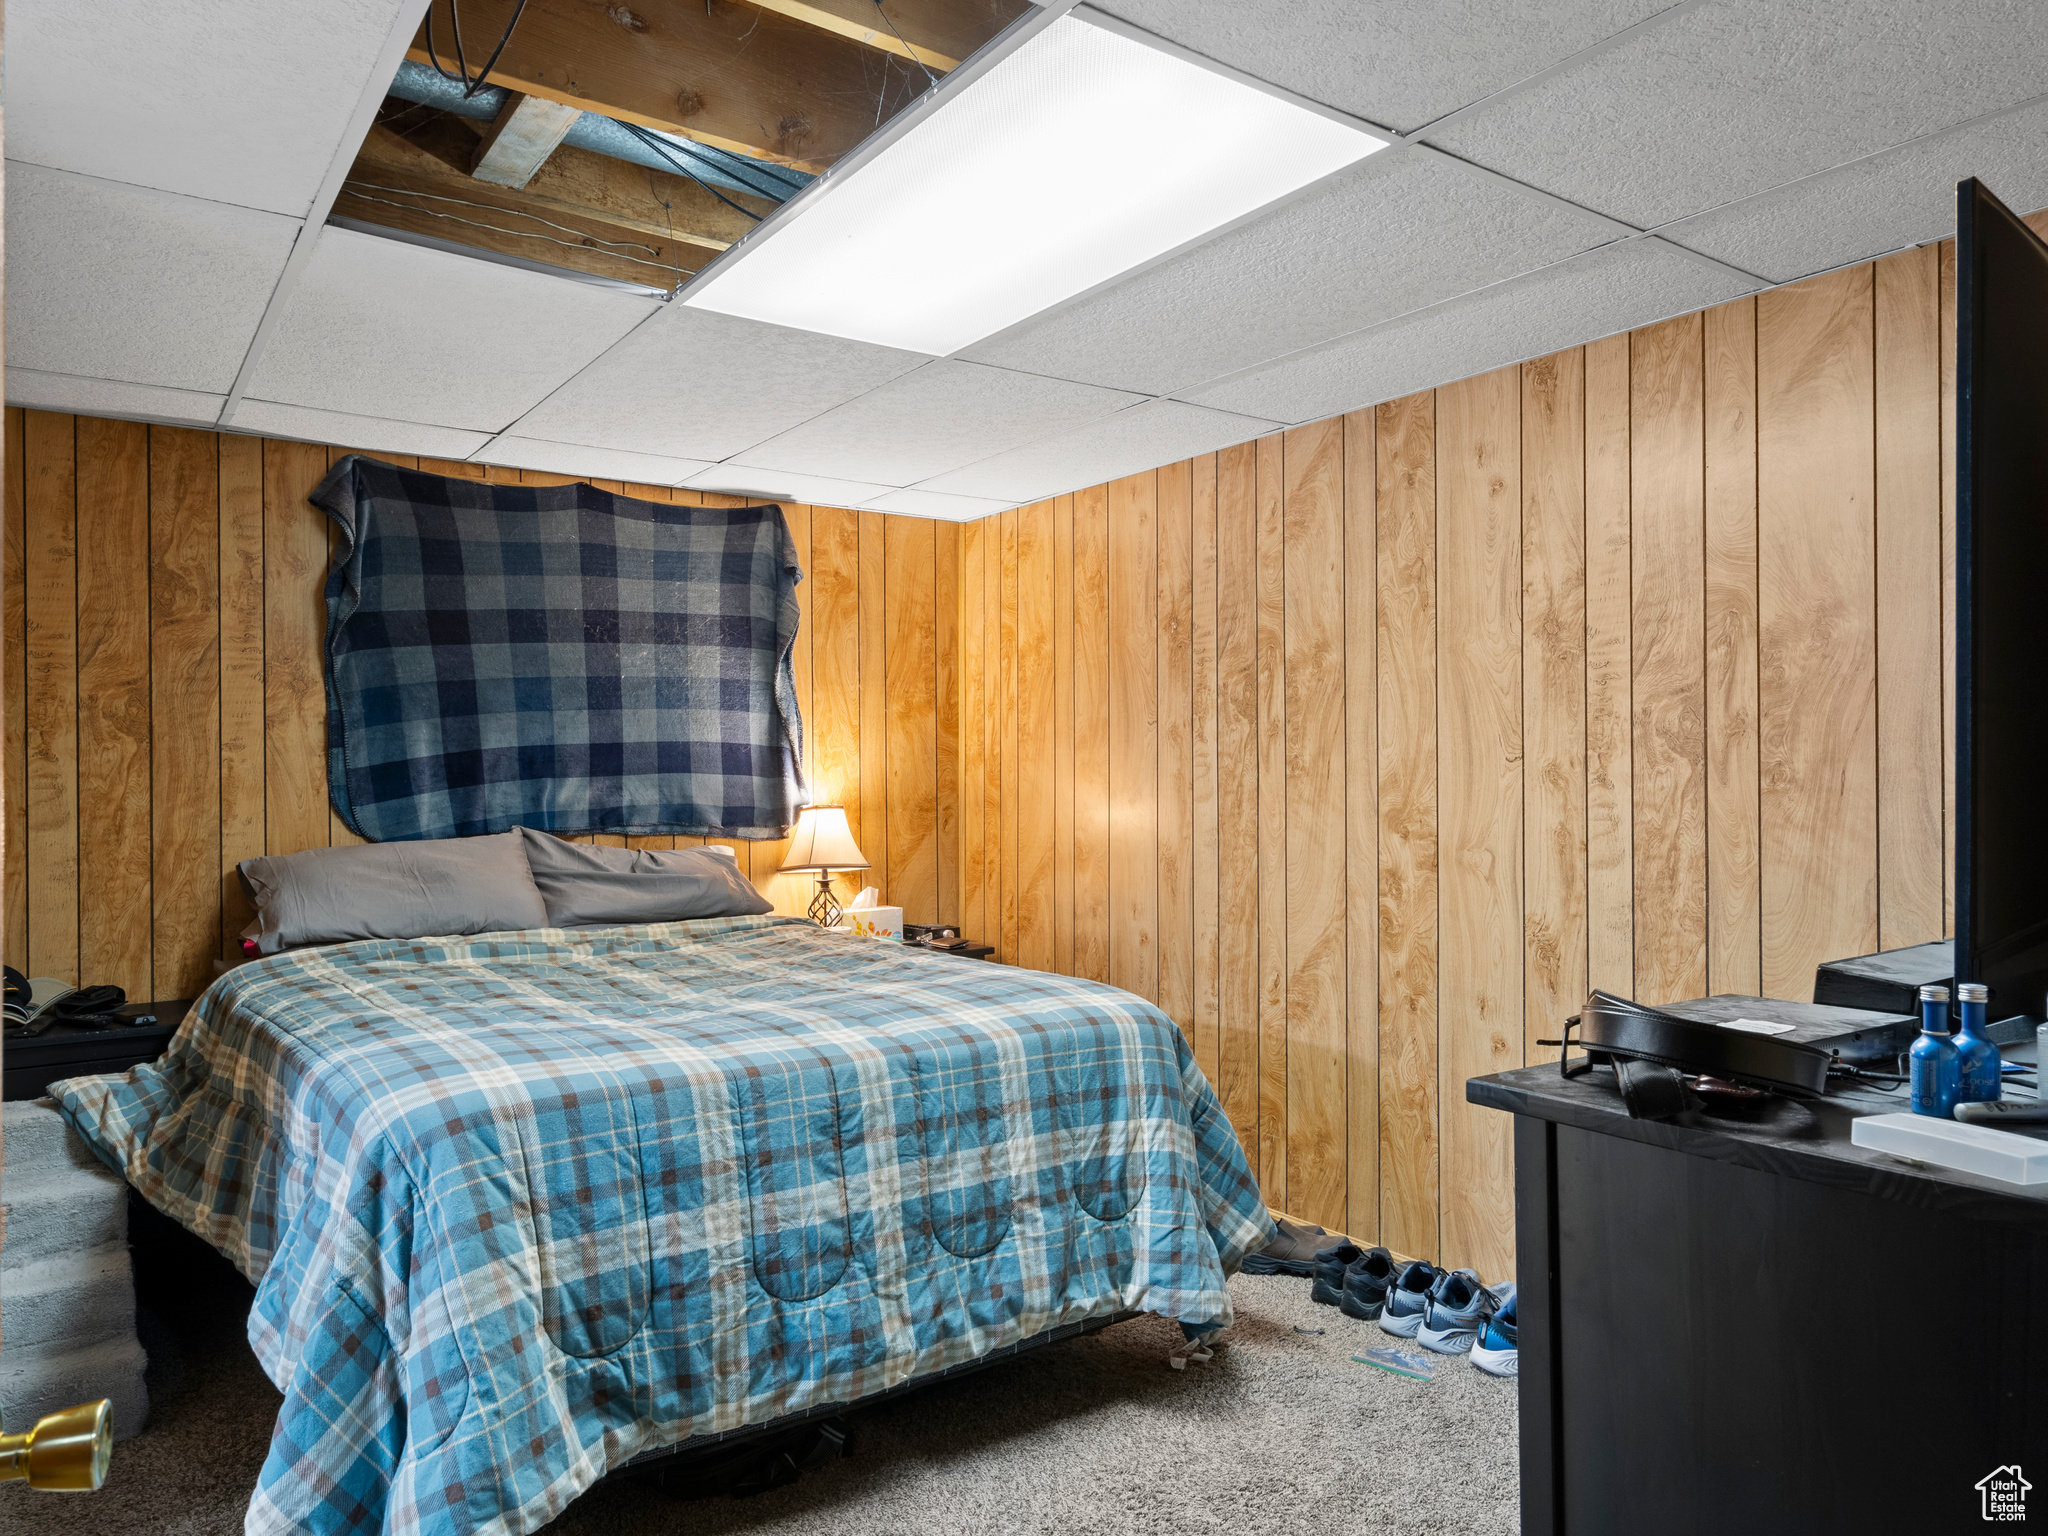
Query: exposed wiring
column 907, row 49
column 469, row 87
column 615, row 249
column 667, row 151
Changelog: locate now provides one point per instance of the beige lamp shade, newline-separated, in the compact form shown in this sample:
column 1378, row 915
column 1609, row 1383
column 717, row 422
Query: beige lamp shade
column 822, row 840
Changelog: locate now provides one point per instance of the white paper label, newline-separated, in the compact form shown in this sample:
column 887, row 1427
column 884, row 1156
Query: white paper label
column 1757, row 1026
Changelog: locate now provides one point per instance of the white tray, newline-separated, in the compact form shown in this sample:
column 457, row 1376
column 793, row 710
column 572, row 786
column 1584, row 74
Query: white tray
column 1951, row 1144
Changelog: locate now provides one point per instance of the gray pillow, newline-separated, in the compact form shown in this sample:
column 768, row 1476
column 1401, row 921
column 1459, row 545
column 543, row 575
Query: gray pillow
column 392, row 891
column 585, row 886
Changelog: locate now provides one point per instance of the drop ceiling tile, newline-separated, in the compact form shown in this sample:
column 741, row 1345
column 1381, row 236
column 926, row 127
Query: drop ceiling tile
column 382, row 328
column 235, row 100
column 1407, row 229
column 1594, row 295
column 40, row 391
column 1733, row 98
column 785, row 485
column 118, row 282
column 937, row 418
column 952, row 509
column 373, row 433
column 699, row 385
column 1904, row 197
column 589, row 463
column 1389, row 61
column 1143, row 437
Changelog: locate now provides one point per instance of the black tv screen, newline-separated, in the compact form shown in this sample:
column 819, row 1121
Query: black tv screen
column 2001, row 604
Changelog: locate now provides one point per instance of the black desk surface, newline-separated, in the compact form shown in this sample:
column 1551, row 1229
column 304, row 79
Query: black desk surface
column 60, row 1051
column 1804, row 1140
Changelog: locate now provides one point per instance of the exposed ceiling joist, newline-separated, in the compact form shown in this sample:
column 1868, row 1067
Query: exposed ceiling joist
column 936, row 33
column 527, row 131
column 582, row 211
column 723, row 73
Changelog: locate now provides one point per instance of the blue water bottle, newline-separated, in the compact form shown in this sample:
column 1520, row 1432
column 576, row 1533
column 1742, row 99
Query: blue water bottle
column 1980, row 1060
column 1937, row 1066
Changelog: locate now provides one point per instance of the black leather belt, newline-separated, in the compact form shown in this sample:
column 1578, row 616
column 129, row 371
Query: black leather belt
column 1649, row 1050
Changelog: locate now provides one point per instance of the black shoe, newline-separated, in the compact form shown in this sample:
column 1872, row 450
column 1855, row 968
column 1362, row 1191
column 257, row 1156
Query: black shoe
column 1366, row 1284
column 1331, row 1265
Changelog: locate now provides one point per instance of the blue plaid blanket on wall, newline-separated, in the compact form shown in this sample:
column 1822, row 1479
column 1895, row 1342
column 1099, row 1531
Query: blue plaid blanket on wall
column 524, row 1205
column 556, row 657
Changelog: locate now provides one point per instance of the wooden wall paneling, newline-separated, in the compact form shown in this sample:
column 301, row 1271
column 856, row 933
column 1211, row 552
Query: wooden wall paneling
column 874, row 706
column 1667, row 552
column 184, row 708
column 1237, row 788
column 1202, row 857
column 1910, row 800
column 910, row 706
column 1012, row 781
column 50, row 707
column 1063, row 735
column 1817, row 648
column 1175, row 712
column 1035, row 796
column 242, row 703
column 113, row 702
column 1554, row 693
column 835, row 736
column 973, row 742
column 1406, row 576
column 1947, row 261
column 1271, row 743
column 1312, row 790
column 1480, row 1004
column 946, row 689
column 1734, row 892
column 1610, row 802
column 14, row 669
column 993, row 780
column 294, row 625
column 1091, row 733
column 1361, row 828
column 1133, row 743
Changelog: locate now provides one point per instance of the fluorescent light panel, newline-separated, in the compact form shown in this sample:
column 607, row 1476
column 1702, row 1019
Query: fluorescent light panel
column 1077, row 157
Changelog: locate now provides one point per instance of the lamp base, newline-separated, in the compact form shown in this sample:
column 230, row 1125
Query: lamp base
column 825, row 910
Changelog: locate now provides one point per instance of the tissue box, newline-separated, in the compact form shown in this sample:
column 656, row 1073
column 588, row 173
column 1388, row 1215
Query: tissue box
column 876, row 922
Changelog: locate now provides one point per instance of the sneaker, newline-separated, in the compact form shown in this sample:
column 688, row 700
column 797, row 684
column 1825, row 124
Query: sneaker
column 1407, row 1297
column 1366, row 1284
column 1457, row 1306
column 1292, row 1252
column 1494, row 1350
column 1331, row 1265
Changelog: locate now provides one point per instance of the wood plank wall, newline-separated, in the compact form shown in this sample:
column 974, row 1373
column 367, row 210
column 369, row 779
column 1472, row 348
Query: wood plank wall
column 1366, row 748
column 165, row 711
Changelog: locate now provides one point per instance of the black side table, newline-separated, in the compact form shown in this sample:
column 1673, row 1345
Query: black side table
column 61, row 1051
column 968, row 952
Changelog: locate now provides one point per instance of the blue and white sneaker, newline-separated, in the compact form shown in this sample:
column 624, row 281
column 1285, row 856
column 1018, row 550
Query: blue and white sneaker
column 1458, row 1305
column 1408, row 1298
column 1494, row 1351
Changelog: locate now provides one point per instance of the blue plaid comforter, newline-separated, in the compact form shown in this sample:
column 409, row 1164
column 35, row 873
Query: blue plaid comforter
column 524, row 1205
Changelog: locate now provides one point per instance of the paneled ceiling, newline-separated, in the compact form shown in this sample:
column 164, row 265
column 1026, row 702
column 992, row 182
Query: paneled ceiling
column 1562, row 172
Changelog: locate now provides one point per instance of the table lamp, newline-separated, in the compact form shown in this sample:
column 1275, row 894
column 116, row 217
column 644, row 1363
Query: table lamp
column 822, row 841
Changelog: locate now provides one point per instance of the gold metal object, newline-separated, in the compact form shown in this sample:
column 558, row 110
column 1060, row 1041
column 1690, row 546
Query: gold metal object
column 67, row 1452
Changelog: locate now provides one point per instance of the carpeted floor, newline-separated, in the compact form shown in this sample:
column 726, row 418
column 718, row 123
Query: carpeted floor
column 1092, row 1437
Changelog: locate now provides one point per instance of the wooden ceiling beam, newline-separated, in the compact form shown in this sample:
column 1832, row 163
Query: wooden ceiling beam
column 719, row 71
column 583, row 211
column 527, row 131
column 936, row 33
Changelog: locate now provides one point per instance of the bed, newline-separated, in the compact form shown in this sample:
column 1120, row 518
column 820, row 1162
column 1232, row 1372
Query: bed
column 520, row 1207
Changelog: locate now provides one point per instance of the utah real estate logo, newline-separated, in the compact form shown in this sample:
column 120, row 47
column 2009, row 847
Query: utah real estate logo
column 2005, row 1494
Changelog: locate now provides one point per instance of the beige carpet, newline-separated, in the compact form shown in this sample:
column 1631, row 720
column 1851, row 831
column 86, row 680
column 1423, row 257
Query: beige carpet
column 1092, row 1437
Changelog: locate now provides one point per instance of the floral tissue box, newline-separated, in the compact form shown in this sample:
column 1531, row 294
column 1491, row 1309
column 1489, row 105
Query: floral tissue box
column 875, row 922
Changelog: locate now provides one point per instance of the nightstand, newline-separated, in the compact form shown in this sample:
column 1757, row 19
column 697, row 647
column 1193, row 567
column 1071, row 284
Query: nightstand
column 61, row 1051
column 971, row 952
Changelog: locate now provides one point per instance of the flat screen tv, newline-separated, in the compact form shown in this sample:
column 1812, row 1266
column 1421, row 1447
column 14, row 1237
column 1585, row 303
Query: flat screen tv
column 2001, row 936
